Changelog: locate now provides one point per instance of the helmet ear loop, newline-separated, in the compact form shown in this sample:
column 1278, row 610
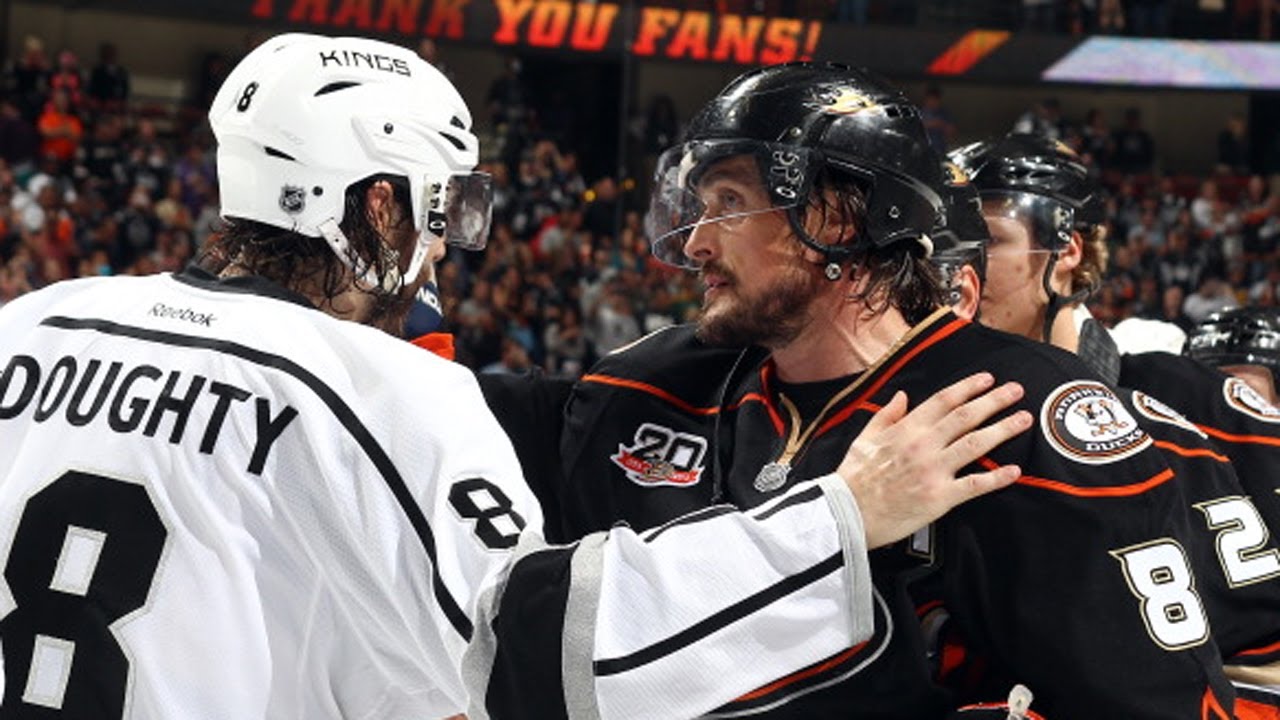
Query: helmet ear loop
column 1057, row 301
column 833, row 255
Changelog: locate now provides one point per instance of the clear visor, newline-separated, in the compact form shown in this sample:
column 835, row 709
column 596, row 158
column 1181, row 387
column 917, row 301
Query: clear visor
column 458, row 208
column 722, row 182
column 1049, row 221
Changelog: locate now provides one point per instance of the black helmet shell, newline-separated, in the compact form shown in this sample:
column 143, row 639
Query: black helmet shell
column 854, row 121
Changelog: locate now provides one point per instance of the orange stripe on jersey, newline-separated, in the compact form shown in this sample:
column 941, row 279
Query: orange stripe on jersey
column 1231, row 437
column 1254, row 710
column 1267, row 650
column 1211, row 709
column 774, row 416
column 807, row 672
column 651, row 390
column 1191, row 452
column 1056, row 486
column 927, row 607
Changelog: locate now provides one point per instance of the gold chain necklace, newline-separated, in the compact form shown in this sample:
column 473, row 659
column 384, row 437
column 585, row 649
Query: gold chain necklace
column 773, row 475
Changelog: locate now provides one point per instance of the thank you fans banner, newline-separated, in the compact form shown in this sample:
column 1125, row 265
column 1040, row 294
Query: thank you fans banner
column 660, row 32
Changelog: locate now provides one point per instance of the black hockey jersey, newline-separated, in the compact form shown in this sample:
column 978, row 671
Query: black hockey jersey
column 1242, row 426
column 1075, row 581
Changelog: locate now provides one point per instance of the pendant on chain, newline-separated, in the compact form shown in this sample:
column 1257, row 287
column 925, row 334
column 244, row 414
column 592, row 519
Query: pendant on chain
column 772, row 476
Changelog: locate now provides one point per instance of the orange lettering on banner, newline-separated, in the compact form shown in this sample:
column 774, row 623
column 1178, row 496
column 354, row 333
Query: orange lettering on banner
column 263, row 8
column 315, row 11
column 781, row 41
column 354, row 10
column 654, row 24
column 737, row 39
column 691, row 37
column 592, row 25
column 446, row 19
column 549, row 22
column 402, row 14
column 811, row 39
column 510, row 14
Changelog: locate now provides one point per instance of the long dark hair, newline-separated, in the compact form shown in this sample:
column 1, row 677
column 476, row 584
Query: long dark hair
column 897, row 275
column 294, row 260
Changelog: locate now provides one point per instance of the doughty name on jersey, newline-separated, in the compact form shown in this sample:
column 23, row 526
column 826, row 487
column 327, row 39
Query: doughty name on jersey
column 138, row 400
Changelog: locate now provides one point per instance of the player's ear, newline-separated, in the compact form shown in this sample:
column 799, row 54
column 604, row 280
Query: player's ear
column 1069, row 258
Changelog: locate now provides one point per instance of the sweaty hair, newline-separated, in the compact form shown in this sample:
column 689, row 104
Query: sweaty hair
column 1093, row 260
column 896, row 275
column 295, row 261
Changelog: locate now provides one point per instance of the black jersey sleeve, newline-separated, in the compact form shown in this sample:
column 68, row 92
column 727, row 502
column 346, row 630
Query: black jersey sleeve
column 530, row 409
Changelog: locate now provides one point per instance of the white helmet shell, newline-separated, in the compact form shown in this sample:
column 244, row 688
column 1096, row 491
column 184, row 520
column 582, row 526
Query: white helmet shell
column 303, row 117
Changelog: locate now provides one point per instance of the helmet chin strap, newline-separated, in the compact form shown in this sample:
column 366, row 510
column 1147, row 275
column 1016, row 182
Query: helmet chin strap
column 365, row 278
column 1056, row 301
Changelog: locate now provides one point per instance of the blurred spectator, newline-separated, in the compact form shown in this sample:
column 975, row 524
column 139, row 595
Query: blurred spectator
column 67, row 78
column 1040, row 15
column 513, row 360
column 508, row 103
column 1044, row 118
column 614, row 321
column 105, row 158
column 565, row 341
column 1179, row 264
column 428, row 50
column 108, row 88
column 1134, row 150
column 60, row 130
column 27, row 80
column 149, row 161
column 213, row 70
column 1171, row 308
column 1233, row 147
column 1110, row 17
column 937, row 120
column 1150, row 18
column 1096, row 142
column 19, row 140
column 1212, row 295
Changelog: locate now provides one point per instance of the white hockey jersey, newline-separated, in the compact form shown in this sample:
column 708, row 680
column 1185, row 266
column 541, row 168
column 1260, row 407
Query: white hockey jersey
column 219, row 502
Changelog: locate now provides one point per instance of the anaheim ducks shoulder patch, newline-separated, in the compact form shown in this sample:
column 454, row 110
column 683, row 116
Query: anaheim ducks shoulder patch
column 1153, row 409
column 1084, row 421
column 1242, row 398
column 659, row 455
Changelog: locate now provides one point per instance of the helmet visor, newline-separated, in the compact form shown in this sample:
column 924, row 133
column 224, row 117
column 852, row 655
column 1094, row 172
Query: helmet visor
column 1049, row 221
column 724, row 182
column 458, row 208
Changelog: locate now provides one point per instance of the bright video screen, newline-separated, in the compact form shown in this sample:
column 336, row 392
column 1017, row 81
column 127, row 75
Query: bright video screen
column 1171, row 63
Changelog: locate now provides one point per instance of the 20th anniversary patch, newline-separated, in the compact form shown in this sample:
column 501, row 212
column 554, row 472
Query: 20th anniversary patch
column 1086, row 422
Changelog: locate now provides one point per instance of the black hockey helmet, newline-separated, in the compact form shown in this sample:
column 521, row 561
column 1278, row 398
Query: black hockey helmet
column 1240, row 336
column 797, row 120
column 1037, row 180
column 962, row 236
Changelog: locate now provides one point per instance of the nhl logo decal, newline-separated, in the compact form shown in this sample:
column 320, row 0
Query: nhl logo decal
column 292, row 199
column 1153, row 409
column 1084, row 421
column 659, row 455
column 1242, row 398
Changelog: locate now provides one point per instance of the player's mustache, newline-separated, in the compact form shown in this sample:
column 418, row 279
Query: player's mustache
column 713, row 267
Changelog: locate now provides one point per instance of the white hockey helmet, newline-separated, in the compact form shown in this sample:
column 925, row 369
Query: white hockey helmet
column 303, row 117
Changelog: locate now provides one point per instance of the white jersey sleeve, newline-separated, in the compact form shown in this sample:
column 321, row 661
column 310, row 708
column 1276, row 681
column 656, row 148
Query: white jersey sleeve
column 220, row 504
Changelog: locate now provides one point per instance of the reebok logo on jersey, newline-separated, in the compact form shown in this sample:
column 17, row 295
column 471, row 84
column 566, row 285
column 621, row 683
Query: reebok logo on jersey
column 1084, row 421
column 187, row 314
column 659, row 455
column 1243, row 398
